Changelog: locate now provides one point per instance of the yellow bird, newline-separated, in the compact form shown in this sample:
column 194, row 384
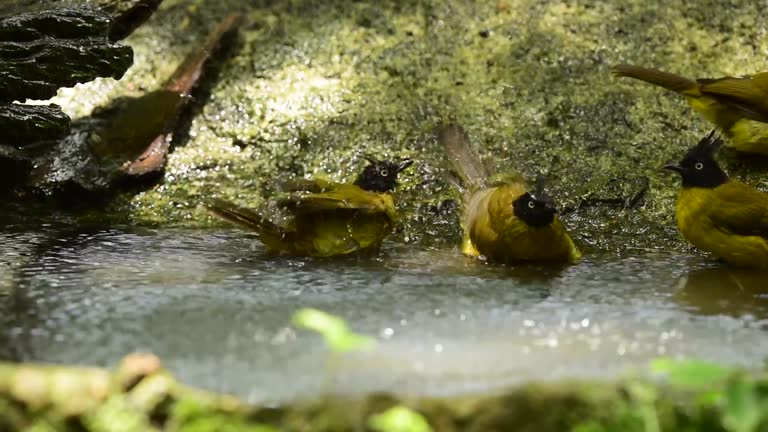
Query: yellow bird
column 720, row 215
column 738, row 106
column 325, row 219
column 502, row 220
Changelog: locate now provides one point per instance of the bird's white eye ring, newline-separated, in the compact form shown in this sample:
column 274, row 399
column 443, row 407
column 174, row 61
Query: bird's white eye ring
column 531, row 204
column 384, row 173
column 699, row 165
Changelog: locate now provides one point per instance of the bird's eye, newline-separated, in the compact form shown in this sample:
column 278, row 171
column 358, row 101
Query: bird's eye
column 531, row 204
column 384, row 173
column 699, row 165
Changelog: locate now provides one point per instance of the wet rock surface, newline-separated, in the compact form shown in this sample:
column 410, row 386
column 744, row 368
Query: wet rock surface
column 313, row 88
column 127, row 15
column 127, row 141
column 316, row 87
column 45, row 46
column 41, row 51
column 44, row 51
column 24, row 125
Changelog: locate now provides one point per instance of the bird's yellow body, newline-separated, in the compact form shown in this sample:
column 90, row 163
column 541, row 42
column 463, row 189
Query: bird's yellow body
column 340, row 221
column 502, row 220
column 729, row 221
column 492, row 230
column 324, row 219
column 717, row 214
column 737, row 105
column 749, row 136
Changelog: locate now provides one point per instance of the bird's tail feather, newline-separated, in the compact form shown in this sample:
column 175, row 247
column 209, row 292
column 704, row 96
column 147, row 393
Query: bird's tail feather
column 241, row 216
column 469, row 170
column 667, row 80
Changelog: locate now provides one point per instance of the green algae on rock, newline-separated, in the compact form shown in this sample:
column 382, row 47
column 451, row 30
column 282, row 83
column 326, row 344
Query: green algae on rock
column 314, row 87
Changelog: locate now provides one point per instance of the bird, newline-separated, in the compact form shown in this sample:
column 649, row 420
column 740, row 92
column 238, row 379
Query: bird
column 323, row 218
column 502, row 219
column 717, row 214
column 736, row 105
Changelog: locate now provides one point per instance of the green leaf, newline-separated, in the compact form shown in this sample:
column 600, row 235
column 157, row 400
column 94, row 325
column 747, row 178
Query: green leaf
column 742, row 411
column 591, row 426
column 690, row 374
column 190, row 415
column 709, row 398
column 399, row 419
column 334, row 330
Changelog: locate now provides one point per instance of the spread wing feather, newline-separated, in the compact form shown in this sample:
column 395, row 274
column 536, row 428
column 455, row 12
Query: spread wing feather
column 241, row 216
column 345, row 197
column 743, row 94
column 315, row 185
column 466, row 163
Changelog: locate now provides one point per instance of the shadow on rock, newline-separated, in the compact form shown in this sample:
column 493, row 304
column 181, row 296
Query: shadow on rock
column 126, row 143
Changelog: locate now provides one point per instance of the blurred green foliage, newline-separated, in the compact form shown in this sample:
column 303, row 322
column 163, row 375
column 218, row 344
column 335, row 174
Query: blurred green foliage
column 399, row 419
column 334, row 330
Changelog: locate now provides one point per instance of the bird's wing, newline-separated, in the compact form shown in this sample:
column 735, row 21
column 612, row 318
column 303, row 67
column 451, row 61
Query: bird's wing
column 241, row 216
column 316, row 185
column 760, row 80
column 740, row 209
column 343, row 197
column 660, row 78
column 466, row 163
column 743, row 94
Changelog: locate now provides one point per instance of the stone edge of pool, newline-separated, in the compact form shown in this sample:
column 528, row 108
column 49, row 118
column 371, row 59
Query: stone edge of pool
column 141, row 395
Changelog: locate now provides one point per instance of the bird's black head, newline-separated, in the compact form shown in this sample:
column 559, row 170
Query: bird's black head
column 381, row 176
column 536, row 208
column 699, row 168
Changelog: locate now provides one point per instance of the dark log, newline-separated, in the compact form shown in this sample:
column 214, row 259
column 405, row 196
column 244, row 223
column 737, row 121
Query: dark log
column 44, row 51
column 23, row 125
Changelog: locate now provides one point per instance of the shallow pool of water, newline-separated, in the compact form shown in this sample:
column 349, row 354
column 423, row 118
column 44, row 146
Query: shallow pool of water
column 217, row 310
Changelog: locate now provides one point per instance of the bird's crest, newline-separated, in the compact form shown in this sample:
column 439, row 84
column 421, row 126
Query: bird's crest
column 709, row 145
column 538, row 191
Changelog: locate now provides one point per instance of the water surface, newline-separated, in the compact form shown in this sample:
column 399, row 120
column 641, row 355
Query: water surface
column 217, row 310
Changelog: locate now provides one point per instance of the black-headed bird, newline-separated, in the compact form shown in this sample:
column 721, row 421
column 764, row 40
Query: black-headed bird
column 502, row 219
column 717, row 214
column 326, row 219
column 737, row 105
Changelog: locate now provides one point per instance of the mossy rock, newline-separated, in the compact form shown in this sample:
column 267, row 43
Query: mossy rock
column 315, row 87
